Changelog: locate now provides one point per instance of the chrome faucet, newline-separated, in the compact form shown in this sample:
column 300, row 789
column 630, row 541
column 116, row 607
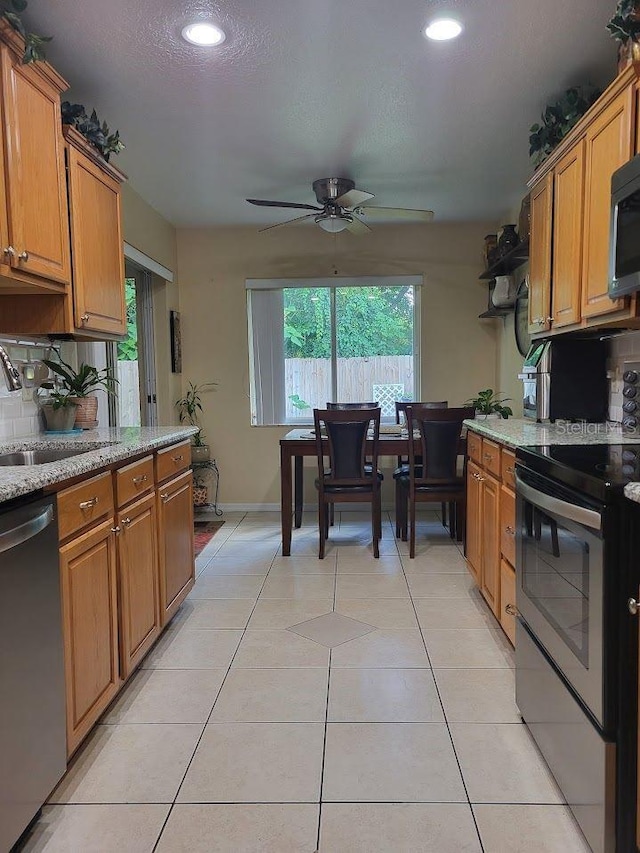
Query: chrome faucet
column 11, row 375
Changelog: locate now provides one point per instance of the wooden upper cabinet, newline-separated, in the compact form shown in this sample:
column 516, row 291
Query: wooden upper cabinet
column 540, row 255
column 567, row 236
column 98, row 259
column 609, row 144
column 36, row 242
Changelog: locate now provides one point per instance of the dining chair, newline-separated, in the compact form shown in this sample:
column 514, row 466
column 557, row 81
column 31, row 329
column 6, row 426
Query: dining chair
column 403, row 463
column 347, row 477
column 336, row 407
column 433, row 475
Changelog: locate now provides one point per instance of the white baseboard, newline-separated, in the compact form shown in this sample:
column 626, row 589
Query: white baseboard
column 275, row 507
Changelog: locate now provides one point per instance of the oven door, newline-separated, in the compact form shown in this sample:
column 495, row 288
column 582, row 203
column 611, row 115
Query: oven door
column 559, row 573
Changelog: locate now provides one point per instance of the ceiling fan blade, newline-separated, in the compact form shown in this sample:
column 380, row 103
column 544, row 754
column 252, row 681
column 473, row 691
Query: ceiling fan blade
column 353, row 198
column 288, row 222
column 394, row 213
column 357, row 227
column 261, row 202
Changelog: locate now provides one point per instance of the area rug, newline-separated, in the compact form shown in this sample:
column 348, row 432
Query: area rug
column 203, row 533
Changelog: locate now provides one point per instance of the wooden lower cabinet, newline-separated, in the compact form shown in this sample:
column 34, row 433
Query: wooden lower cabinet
column 508, row 525
column 474, row 521
column 490, row 504
column 90, row 623
column 139, row 581
column 508, row 600
column 175, row 538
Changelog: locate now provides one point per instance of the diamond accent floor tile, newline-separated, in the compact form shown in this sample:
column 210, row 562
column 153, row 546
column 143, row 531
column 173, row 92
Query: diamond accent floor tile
column 332, row 629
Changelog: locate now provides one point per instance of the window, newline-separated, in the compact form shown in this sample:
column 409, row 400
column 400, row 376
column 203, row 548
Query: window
column 352, row 340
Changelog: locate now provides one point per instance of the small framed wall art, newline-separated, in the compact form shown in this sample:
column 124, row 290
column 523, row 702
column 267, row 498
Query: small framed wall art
column 176, row 342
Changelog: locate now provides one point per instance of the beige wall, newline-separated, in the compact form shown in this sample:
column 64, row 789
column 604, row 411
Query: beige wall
column 146, row 230
column 459, row 353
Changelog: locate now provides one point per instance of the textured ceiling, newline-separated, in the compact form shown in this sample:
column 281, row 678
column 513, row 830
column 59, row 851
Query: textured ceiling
column 304, row 89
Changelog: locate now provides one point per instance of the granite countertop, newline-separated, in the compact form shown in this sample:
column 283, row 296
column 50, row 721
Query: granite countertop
column 103, row 446
column 632, row 491
column 521, row 432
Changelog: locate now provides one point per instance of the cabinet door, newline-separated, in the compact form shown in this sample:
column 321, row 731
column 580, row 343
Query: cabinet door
column 491, row 541
column 508, row 524
column 508, row 600
column 474, row 518
column 175, row 525
column 609, row 144
column 567, row 237
column 540, row 255
column 90, row 619
column 98, row 258
column 37, row 212
column 139, row 581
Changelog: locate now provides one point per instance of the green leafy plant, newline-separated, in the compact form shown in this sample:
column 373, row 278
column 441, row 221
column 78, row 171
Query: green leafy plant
column 90, row 127
column 557, row 121
column 298, row 403
column 34, row 44
column 189, row 408
column 624, row 26
column 488, row 403
column 128, row 349
column 77, row 383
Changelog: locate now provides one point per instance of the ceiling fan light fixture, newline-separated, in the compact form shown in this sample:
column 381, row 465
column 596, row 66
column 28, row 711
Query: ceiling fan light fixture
column 203, row 34
column 333, row 223
column 443, row 29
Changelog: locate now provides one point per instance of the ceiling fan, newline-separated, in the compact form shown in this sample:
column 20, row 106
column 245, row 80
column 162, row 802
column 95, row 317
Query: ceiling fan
column 341, row 208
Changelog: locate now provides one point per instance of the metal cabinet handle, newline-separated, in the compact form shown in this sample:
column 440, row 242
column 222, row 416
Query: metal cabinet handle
column 23, row 256
column 165, row 497
column 508, row 529
column 116, row 530
column 488, row 455
column 178, row 458
column 633, row 606
column 510, row 470
column 511, row 609
column 126, row 521
column 84, row 318
column 88, row 504
column 9, row 250
column 141, row 479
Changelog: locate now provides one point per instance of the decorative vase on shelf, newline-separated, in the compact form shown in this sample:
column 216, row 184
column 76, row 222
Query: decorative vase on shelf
column 490, row 250
column 508, row 240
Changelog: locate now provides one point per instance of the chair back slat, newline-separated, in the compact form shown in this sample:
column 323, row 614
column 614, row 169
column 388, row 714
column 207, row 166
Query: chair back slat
column 401, row 408
column 347, row 433
column 439, row 431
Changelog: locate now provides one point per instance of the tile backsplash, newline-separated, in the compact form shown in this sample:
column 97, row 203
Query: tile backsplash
column 624, row 351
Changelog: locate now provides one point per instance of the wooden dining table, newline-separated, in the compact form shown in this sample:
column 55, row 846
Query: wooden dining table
column 297, row 444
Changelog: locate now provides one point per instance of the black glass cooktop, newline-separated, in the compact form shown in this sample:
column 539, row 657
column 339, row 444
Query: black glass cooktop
column 601, row 470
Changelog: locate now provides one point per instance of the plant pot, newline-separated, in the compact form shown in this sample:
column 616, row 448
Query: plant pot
column 200, row 496
column 59, row 420
column 86, row 411
column 494, row 416
column 200, row 453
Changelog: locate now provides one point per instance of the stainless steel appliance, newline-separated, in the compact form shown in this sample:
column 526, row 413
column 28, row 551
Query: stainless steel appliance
column 566, row 379
column 32, row 695
column 569, row 528
column 624, row 263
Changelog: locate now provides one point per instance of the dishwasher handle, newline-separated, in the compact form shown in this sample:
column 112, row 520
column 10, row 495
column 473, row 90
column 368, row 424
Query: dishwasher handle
column 587, row 517
column 25, row 531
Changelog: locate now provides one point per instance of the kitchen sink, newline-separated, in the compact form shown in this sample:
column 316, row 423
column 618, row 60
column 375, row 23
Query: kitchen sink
column 37, row 457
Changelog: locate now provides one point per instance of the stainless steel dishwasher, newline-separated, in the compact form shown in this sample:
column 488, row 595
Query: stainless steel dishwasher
column 32, row 695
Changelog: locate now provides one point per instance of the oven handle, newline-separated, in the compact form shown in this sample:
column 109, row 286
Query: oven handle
column 579, row 514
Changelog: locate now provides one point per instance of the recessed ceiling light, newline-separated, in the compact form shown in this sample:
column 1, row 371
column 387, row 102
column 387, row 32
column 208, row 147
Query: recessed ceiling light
column 203, row 34
column 443, row 29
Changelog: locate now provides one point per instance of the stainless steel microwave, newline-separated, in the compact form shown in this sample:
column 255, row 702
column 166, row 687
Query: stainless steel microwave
column 624, row 266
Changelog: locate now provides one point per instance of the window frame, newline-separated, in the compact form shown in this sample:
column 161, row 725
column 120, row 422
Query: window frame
column 332, row 283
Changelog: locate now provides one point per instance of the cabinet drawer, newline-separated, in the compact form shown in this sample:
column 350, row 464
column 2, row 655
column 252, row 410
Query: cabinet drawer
column 508, row 601
column 84, row 504
column 172, row 460
column 508, row 468
column 491, row 457
column 474, row 447
column 508, row 524
column 134, row 480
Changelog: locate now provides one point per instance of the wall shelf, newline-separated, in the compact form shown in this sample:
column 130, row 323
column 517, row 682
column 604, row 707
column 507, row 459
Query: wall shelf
column 510, row 262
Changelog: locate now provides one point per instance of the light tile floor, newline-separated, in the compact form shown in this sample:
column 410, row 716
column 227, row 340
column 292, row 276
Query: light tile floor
column 394, row 733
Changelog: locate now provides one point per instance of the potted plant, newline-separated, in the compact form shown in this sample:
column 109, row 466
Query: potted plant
column 58, row 409
column 189, row 408
column 489, row 405
column 557, row 121
column 79, row 385
column 624, row 27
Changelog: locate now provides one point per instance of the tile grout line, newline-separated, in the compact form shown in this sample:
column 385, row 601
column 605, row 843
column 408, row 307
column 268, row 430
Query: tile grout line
column 324, row 753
